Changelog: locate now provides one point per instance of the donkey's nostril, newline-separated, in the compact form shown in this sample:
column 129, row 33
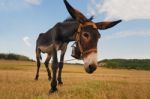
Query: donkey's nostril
column 92, row 68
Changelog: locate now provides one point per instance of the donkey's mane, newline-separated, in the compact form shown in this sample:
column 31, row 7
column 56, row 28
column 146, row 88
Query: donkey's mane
column 69, row 19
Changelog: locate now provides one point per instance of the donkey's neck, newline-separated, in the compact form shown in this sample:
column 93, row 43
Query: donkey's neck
column 69, row 30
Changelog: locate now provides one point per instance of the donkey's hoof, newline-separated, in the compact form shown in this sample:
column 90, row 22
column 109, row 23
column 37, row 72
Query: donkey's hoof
column 49, row 78
column 36, row 78
column 60, row 83
column 53, row 90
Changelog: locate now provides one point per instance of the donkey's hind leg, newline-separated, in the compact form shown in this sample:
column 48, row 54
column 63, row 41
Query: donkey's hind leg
column 47, row 66
column 38, row 56
column 61, row 63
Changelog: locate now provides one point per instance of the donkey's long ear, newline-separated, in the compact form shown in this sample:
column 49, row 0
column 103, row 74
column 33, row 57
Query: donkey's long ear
column 106, row 25
column 75, row 13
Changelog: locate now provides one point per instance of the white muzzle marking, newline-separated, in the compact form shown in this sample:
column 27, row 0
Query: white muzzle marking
column 90, row 59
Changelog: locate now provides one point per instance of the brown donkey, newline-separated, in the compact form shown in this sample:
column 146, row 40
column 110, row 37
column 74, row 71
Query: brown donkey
column 79, row 29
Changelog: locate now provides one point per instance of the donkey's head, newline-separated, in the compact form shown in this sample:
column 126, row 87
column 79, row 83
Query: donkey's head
column 87, row 37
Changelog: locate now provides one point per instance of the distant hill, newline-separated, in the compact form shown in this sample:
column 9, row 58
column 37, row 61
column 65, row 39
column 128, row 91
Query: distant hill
column 12, row 56
column 141, row 64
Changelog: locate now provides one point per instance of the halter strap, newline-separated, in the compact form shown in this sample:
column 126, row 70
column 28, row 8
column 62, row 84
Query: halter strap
column 86, row 24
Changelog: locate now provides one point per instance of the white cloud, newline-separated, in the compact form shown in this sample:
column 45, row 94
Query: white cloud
column 10, row 5
column 26, row 41
column 122, row 9
column 33, row 2
column 15, row 5
column 125, row 34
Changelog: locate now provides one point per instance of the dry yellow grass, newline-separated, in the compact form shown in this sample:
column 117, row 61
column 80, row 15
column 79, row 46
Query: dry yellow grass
column 17, row 82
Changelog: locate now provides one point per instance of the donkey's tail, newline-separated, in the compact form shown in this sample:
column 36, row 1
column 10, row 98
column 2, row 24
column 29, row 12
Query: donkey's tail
column 38, row 53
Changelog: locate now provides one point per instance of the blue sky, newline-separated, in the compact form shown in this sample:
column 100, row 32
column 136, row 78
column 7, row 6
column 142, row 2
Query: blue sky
column 23, row 20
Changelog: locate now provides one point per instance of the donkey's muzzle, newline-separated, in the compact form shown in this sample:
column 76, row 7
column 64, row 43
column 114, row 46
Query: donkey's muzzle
column 90, row 62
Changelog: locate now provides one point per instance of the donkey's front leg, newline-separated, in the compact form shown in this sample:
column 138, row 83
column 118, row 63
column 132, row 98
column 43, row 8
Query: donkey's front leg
column 54, row 70
column 60, row 65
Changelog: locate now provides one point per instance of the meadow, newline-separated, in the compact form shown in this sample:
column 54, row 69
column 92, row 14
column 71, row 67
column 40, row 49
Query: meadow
column 17, row 82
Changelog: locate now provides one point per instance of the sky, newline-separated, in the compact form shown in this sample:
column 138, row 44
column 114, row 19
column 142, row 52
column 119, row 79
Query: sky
column 23, row 20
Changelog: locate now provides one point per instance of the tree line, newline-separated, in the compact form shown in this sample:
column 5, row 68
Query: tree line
column 12, row 56
column 141, row 64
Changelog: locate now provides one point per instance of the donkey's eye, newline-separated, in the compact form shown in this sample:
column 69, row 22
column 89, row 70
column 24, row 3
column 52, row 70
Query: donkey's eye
column 86, row 35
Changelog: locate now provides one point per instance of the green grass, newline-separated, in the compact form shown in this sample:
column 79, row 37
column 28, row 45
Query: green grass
column 103, row 84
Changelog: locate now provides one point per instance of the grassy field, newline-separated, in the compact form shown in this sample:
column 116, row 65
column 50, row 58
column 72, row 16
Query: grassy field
column 17, row 82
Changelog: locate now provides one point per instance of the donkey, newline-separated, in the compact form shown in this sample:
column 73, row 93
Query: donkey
column 79, row 29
